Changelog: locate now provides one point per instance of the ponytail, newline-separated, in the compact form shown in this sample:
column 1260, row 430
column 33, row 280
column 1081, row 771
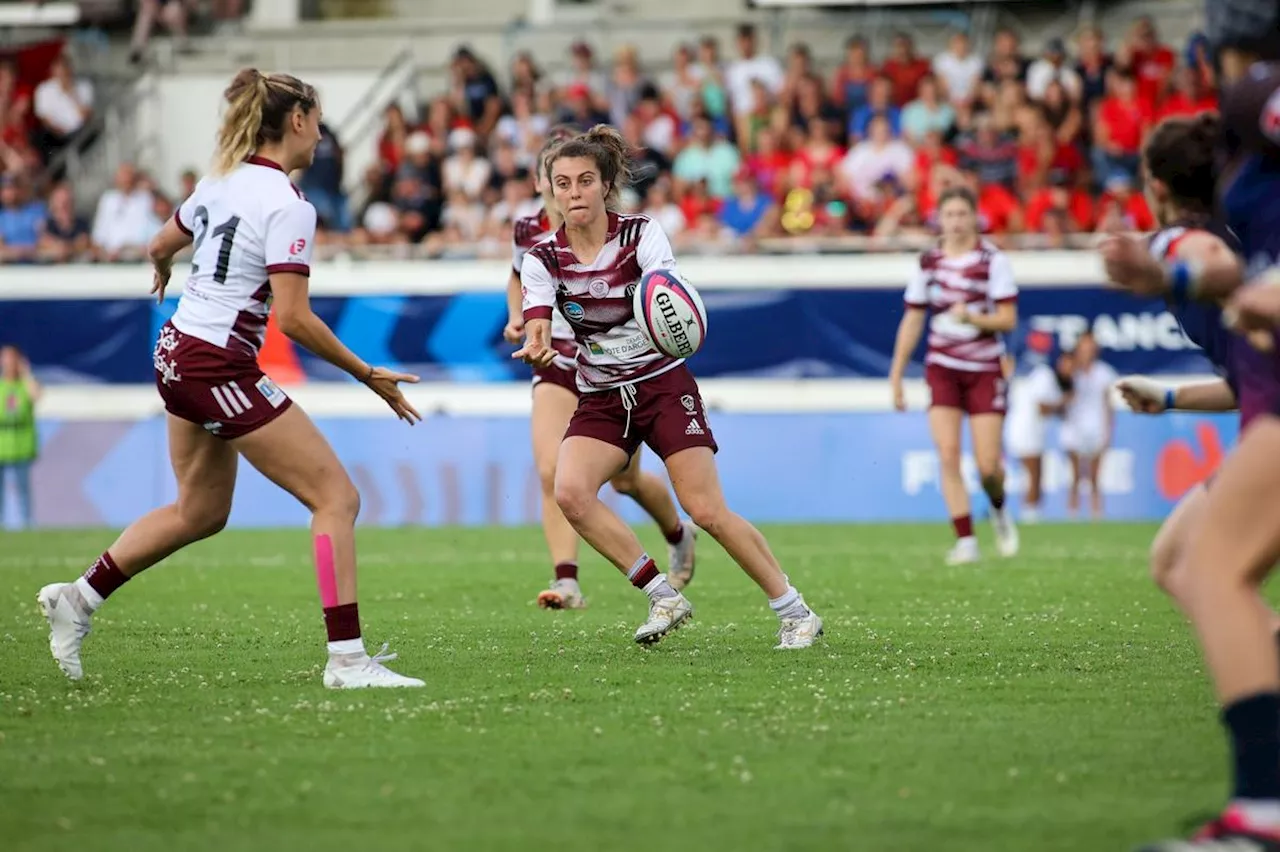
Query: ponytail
column 258, row 107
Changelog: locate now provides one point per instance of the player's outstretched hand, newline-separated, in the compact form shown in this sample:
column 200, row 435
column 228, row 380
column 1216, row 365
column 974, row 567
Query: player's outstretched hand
column 1141, row 394
column 386, row 384
column 1129, row 264
column 537, row 345
column 899, row 396
column 513, row 331
column 160, row 280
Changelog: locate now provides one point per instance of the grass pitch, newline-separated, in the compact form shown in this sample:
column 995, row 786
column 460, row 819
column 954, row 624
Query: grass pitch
column 1051, row 702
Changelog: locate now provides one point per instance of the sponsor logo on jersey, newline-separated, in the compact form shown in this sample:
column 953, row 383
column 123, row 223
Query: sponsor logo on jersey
column 297, row 247
column 599, row 288
column 1269, row 121
column 270, row 391
column 573, row 311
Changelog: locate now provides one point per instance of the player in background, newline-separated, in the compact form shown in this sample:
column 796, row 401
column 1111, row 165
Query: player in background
column 253, row 236
column 1088, row 422
column 631, row 393
column 555, row 396
column 1236, row 539
column 1034, row 397
column 968, row 285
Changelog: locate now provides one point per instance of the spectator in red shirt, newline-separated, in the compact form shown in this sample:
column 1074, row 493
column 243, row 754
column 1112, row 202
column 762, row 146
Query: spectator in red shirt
column 1060, row 196
column 1122, row 208
column 769, row 164
column 904, row 70
column 1118, row 129
column 1189, row 96
column 929, row 153
column 1150, row 62
column 818, row 151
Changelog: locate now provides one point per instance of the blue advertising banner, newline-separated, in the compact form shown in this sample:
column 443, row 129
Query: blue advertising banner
column 478, row 470
column 752, row 333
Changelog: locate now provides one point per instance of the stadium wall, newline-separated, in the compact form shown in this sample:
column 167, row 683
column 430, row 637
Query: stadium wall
column 803, row 438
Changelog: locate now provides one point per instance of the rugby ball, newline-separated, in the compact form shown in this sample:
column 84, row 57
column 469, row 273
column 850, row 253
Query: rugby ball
column 670, row 313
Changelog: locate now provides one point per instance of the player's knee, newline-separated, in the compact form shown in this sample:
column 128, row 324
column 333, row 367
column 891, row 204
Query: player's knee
column 202, row 521
column 949, row 456
column 574, row 498
column 341, row 500
column 1162, row 559
column 706, row 513
column 547, row 476
column 992, row 478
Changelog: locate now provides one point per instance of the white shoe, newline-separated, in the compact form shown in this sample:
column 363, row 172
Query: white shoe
column 563, row 594
column 1006, row 533
column 360, row 671
column 665, row 615
column 68, row 625
column 799, row 632
column 680, row 572
column 964, row 551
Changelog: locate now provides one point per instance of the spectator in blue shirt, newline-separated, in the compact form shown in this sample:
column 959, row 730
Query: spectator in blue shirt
column 743, row 211
column 21, row 219
column 879, row 102
column 322, row 183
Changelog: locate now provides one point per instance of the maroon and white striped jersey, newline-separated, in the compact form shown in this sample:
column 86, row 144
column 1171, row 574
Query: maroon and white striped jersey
column 248, row 224
column 981, row 279
column 595, row 298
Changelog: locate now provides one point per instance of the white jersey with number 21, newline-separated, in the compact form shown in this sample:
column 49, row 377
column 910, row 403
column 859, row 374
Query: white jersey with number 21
column 248, row 224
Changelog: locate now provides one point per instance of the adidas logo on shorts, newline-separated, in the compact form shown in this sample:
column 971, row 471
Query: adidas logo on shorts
column 693, row 428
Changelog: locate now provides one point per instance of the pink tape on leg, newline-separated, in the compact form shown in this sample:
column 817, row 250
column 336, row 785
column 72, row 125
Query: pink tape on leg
column 325, row 577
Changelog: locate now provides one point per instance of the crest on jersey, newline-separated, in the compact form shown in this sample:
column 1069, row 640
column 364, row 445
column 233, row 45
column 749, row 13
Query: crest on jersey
column 573, row 312
column 599, row 288
column 1269, row 120
column 297, row 247
column 688, row 402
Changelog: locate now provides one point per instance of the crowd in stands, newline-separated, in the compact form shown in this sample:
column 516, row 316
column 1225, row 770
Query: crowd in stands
column 729, row 150
column 751, row 147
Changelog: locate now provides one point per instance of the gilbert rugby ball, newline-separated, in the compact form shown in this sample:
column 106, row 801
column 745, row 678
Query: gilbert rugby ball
column 670, row 313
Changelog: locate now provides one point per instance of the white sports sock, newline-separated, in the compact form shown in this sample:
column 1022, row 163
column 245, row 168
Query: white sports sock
column 92, row 600
column 790, row 605
column 658, row 587
column 346, row 646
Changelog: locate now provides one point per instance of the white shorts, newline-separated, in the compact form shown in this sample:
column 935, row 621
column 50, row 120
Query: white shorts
column 1024, row 439
column 1083, row 442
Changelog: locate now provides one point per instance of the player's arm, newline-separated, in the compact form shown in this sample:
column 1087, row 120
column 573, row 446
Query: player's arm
column 910, row 330
column 513, row 331
column 538, row 294
column 290, row 236
column 1146, row 396
column 164, row 246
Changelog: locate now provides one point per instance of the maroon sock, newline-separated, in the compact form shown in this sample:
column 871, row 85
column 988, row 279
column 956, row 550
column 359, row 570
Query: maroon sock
column 342, row 622
column 963, row 525
column 643, row 572
column 677, row 536
column 566, row 570
column 104, row 577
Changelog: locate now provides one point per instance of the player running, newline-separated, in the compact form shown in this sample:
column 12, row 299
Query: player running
column 631, row 393
column 555, row 395
column 968, row 285
column 253, row 236
column 1236, row 538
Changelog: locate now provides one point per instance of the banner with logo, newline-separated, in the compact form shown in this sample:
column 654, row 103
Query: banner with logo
column 477, row 470
column 751, row 333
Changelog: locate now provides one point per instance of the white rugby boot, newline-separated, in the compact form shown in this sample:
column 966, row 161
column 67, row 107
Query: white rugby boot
column 682, row 558
column 665, row 615
column 361, row 671
column 1006, row 532
column 68, row 618
column 964, row 551
column 799, row 632
column 563, row 594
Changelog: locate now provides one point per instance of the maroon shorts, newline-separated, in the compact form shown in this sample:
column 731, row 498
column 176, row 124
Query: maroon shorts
column 971, row 392
column 667, row 414
column 221, row 389
column 561, row 377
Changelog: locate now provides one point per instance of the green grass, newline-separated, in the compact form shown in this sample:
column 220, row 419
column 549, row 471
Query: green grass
column 1051, row 702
